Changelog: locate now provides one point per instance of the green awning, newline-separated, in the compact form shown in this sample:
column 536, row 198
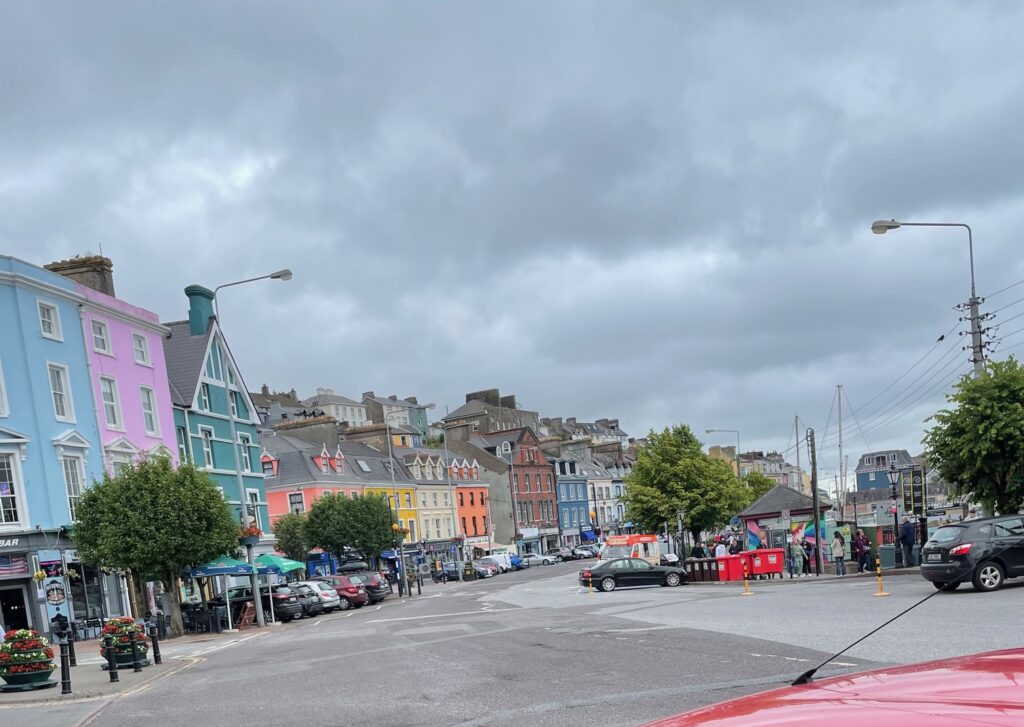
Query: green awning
column 284, row 565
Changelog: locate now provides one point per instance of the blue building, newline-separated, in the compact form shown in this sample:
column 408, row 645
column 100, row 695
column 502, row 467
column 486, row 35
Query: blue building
column 50, row 450
column 211, row 403
column 573, row 512
column 873, row 466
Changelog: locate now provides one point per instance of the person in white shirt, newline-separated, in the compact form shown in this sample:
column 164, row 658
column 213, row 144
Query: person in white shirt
column 721, row 550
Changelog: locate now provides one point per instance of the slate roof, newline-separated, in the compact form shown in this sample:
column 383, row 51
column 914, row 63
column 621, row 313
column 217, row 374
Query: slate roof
column 296, row 463
column 470, row 408
column 184, row 354
column 322, row 399
column 781, row 498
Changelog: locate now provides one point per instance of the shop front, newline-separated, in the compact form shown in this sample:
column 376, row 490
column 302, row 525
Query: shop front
column 549, row 538
column 529, row 541
column 570, row 537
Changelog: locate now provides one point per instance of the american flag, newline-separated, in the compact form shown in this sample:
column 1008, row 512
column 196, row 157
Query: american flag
column 13, row 565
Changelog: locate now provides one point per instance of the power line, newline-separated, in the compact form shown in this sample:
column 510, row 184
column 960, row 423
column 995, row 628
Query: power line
column 854, row 414
column 1019, row 300
column 1003, row 290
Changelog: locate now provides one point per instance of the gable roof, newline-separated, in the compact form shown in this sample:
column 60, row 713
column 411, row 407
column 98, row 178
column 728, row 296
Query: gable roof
column 321, row 399
column 781, row 498
column 470, row 408
column 185, row 354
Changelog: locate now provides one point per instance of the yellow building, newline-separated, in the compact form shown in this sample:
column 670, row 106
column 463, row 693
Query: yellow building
column 727, row 454
column 406, row 506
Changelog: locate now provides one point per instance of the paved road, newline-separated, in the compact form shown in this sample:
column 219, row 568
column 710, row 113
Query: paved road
column 533, row 646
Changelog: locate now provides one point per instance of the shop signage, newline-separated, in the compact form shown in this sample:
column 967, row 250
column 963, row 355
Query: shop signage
column 9, row 542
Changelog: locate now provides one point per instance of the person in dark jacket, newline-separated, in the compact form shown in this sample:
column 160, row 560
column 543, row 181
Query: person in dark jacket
column 861, row 549
column 907, row 541
column 698, row 551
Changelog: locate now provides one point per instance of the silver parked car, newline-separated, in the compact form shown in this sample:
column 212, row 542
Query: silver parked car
column 328, row 596
column 532, row 559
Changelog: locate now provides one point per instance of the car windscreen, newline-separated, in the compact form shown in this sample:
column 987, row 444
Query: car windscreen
column 616, row 551
column 948, row 534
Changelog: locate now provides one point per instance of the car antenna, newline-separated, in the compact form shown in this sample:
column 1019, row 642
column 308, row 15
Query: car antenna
column 806, row 677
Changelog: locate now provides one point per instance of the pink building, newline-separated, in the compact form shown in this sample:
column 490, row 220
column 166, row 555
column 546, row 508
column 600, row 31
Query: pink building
column 125, row 352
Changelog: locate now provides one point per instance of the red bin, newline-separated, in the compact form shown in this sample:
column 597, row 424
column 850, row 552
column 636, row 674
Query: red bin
column 730, row 567
column 768, row 561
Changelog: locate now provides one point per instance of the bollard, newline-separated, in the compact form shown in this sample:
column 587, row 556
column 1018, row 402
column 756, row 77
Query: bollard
column 108, row 645
column 154, row 639
column 746, row 581
column 65, row 668
column 878, row 571
column 419, row 585
column 72, row 658
column 136, row 656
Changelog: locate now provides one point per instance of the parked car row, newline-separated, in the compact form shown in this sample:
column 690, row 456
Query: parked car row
column 303, row 599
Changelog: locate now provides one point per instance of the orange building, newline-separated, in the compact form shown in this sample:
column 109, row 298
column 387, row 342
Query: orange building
column 298, row 473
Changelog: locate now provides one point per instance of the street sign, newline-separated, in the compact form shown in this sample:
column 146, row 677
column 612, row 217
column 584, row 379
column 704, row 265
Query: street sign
column 785, row 516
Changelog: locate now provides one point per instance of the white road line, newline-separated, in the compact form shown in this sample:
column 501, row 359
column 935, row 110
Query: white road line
column 442, row 615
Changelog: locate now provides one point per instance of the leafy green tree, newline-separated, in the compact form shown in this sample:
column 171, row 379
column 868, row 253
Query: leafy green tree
column 329, row 526
column 757, row 484
column 672, row 473
column 364, row 523
column 372, row 520
column 978, row 444
column 292, row 540
column 155, row 521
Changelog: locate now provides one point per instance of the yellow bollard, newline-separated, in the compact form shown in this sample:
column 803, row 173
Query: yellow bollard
column 878, row 572
column 590, row 584
column 746, row 581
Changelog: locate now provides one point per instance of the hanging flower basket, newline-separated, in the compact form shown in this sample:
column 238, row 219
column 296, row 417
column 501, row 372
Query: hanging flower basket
column 26, row 660
column 121, row 629
column 249, row 535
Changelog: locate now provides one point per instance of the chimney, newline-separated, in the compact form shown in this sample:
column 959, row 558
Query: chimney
column 392, row 397
column 324, row 392
column 265, row 390
column 556, row 423
column 200, row 308
column 613, row 424
column 293, row 395
column 368, row 395
column 487, row 396
column 412, row 400
column 602, row 423
column 508, row 402
column 570, row 422
column 92, row 271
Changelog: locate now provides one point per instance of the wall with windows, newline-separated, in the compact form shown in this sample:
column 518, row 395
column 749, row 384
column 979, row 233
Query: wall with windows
column 129, row 379
column 48, row 430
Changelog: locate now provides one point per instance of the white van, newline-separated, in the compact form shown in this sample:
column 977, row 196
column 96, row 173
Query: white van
column 503, row 560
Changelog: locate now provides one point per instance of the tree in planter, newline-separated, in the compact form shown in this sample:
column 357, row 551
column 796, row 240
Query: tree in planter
column 673, row 474
column 154, row 519
column 292, row 540
column 978, row 445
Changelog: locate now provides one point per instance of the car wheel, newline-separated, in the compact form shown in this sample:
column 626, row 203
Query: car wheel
column 547, row 561
column 672, row 579
column 988, row 576
column 943, row 586
column 607, row 584
column 344, row 605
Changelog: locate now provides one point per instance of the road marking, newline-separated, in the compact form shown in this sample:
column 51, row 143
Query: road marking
column 442, row 615
column 332, row 618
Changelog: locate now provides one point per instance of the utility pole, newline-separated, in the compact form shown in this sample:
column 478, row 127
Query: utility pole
column 977, row 350
column 796, row 432
column 841, row 474
column 814, row 500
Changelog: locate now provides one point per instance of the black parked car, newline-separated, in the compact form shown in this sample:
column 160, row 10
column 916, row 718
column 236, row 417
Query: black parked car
column 985, row 552
column 286, row 605
column 448, row 572
column 376, row 587
column 611, row 574
column 310, row 600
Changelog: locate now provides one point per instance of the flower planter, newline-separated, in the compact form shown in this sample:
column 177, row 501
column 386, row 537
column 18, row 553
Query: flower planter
column 121, row 629
column 28, row 678
column 26, row 661
column 249, row 540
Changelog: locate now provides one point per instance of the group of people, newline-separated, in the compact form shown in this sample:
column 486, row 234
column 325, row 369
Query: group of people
column 721, row 545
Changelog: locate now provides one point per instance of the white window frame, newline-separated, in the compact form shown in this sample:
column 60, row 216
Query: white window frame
column 107, row 348
column 79, row 466
column 118, row 423
column 244, row 443
column 181, row 436
column 17, row 492
column 232, row 404
column 204, row 396
column 145, row 360
column 292, row 503
column 4, row 404
column 207, row 446
column 58, row 331
column 255, row 503
column 154, row 412
column 69, row 401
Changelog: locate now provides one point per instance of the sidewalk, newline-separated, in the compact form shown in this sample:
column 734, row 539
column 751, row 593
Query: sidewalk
column 89, row 681
column 827, row 575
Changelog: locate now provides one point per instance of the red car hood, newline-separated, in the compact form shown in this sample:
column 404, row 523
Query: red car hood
column 981, row 689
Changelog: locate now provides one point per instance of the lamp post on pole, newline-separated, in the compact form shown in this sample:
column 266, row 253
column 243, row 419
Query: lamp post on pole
column 451, row 499
column 284, row 274
column 394, row 491
column 880, row 227
column 894, row 477
column 737, row 433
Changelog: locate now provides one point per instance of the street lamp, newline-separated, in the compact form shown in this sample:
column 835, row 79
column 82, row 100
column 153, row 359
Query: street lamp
column 737, row 433
column 880, row 227
column 513, row 486
column 394, row 492
column 284, row 274
column 459, row 550
column 894, row 477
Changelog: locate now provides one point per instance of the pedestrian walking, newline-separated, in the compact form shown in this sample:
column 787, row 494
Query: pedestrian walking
column 839, row 553
column 861, row 549
column 794, row 554
column 907, row 541
column 808, row 553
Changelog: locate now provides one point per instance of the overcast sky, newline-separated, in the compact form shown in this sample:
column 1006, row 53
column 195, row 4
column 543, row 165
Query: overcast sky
column 653, row 211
